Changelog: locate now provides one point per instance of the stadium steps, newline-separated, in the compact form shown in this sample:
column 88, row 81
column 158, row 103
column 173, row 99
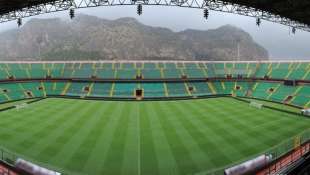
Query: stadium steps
column 166, row 90
column 139, row 72
column 269, row 66
column 28, row 73
column 295, row 94
column 205, row 72
column 187, row 89
column 249, row 73
column 223, row 86
column 112, row 90
column 93, row 67
column 298, row 90
column 182, row 71
column 80, row 65
column 212, row 88
column 289, row 73
column 275, row 90
column 269, row 73
column 6, row 96
column 43, row 88
column 307, row 105
column 90, row 89
column 306, row 75
column 162, row 73
column 7, row 72
column 298, row 66
column 21, row 87
column 54, row 86
column 64, row 92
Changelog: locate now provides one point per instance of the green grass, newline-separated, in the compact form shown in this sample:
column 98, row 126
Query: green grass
column 167, row 137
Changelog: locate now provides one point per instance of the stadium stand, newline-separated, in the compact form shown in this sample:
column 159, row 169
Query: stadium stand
column 262, row 80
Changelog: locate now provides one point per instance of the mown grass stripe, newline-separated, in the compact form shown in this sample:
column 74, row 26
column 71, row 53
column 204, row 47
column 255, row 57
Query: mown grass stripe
column 182, row 156
column 131, row 157
column 149, row 161
column 74, row 137
column 100, row 150
column 115, row 156
column 166, row 161
column 84, row 151
column 56, row 149
column 191, row 136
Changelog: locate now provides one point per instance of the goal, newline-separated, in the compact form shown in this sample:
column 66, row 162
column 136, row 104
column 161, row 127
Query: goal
column 256, row 105
column 21, row 106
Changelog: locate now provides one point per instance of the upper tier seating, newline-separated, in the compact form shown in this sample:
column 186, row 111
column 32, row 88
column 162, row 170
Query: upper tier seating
column 297, row 71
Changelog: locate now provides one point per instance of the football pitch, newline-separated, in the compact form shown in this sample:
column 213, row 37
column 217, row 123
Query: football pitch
column 144, row 138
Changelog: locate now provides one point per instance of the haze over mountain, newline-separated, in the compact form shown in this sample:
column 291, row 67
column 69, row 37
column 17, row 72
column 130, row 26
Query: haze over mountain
column 89, row 37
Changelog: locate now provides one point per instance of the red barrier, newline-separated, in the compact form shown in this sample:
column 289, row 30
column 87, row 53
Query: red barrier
column 285, row 160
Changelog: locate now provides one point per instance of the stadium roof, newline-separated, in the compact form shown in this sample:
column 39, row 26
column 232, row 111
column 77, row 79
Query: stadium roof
column 298, row 10
column 292, row 10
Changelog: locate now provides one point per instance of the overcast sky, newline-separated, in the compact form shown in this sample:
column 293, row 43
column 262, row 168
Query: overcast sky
column 274, row 37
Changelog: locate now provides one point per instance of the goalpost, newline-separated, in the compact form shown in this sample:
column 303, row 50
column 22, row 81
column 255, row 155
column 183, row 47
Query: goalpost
column 256, row 105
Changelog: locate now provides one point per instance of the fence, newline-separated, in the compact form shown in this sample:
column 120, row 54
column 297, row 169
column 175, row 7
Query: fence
column 300, row 143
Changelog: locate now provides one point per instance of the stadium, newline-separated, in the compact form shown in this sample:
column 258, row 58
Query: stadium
column 152, row 112
column 149, row 117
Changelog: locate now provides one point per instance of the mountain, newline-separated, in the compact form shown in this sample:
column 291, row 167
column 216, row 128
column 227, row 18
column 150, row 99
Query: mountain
column 90, row 38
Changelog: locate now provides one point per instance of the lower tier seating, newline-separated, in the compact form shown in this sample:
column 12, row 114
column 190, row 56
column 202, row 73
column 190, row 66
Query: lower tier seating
column 273, row 91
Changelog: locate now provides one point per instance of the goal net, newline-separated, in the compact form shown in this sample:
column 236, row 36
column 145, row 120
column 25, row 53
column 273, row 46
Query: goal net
column 21, row 106
column 256, row 105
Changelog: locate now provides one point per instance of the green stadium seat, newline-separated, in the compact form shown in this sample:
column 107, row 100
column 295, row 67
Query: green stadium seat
column 194, row 73
column 87, row 66
column 68, row 73
column 33, row 87
column 58, row 66
column 262, row 90
column 170, row 66
column 126, row 73
column 38, row 73
column 149, row 66
column 83, row 73
column 101, row 90
column 54, row 88
column 279, row 73
column 302, row 98
column 297, row 74
column 177, row 90
column 172, row 73
column 153, row 90
column 128, row 66
column 200, row 88
column 107, row 66
column 56, row 73
column 191, row 66
column 125, row 90
column 151, row 73
column 77, row 89
column 282, row 92
column 19, row 73
column 14, row 91
column 105, row 73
